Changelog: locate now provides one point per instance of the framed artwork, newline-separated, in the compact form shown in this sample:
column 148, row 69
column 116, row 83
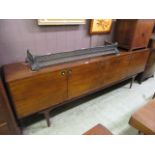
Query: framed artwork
column 61, row 21
column 100, row 26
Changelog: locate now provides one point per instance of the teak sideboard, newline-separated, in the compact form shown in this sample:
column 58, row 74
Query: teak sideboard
column 35, row 91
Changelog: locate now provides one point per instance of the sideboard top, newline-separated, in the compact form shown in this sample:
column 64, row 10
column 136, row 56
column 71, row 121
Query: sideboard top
column 17, row 71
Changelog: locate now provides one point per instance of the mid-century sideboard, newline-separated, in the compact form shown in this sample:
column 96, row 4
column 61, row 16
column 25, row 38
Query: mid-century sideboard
column 38, row 91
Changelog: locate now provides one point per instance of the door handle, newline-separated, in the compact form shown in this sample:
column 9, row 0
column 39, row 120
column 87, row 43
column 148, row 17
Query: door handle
column 63, row 73
column 69, row 71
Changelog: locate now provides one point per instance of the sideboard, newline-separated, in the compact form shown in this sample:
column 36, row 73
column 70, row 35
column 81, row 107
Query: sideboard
column 38, row 91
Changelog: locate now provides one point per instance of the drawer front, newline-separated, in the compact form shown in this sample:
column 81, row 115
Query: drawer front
column 38, row 92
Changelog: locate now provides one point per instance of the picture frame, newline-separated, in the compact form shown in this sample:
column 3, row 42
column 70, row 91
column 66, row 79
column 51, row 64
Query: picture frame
column 61, row 21
column 100, row 26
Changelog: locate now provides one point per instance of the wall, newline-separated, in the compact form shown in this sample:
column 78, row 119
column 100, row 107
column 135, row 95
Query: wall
column 18, row 35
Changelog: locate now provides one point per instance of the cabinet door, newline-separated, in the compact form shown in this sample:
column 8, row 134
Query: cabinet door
column 142, row 33
column 138, row 62
column 83, row 79
column 39, row 92
column 114, row 69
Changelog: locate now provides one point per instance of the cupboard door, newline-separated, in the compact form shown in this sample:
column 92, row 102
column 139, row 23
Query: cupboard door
column 83, row 79
column 138, row 62
column 39, row 92
column 114, row 69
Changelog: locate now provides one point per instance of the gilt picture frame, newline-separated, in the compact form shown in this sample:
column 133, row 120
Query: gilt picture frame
column 100, row 26
column 61, row 21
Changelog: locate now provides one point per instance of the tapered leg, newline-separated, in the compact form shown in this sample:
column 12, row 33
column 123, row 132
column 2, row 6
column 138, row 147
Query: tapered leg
column 21, row 123
column 132, row 80
column 140, row 80
column 21, row 126
column 141, row 133
column 47, row 117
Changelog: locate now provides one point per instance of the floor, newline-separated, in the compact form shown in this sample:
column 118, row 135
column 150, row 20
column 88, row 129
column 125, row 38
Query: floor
column 111, row 107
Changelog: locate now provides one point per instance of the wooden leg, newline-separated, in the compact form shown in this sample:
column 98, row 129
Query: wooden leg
column 47, row 117
column 153, row 96
column 21, row 126
column 140, row 80
column 132, row 80
column 21, row 123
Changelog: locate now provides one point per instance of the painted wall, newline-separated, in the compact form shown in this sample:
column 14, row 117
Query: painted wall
column 18, row 35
